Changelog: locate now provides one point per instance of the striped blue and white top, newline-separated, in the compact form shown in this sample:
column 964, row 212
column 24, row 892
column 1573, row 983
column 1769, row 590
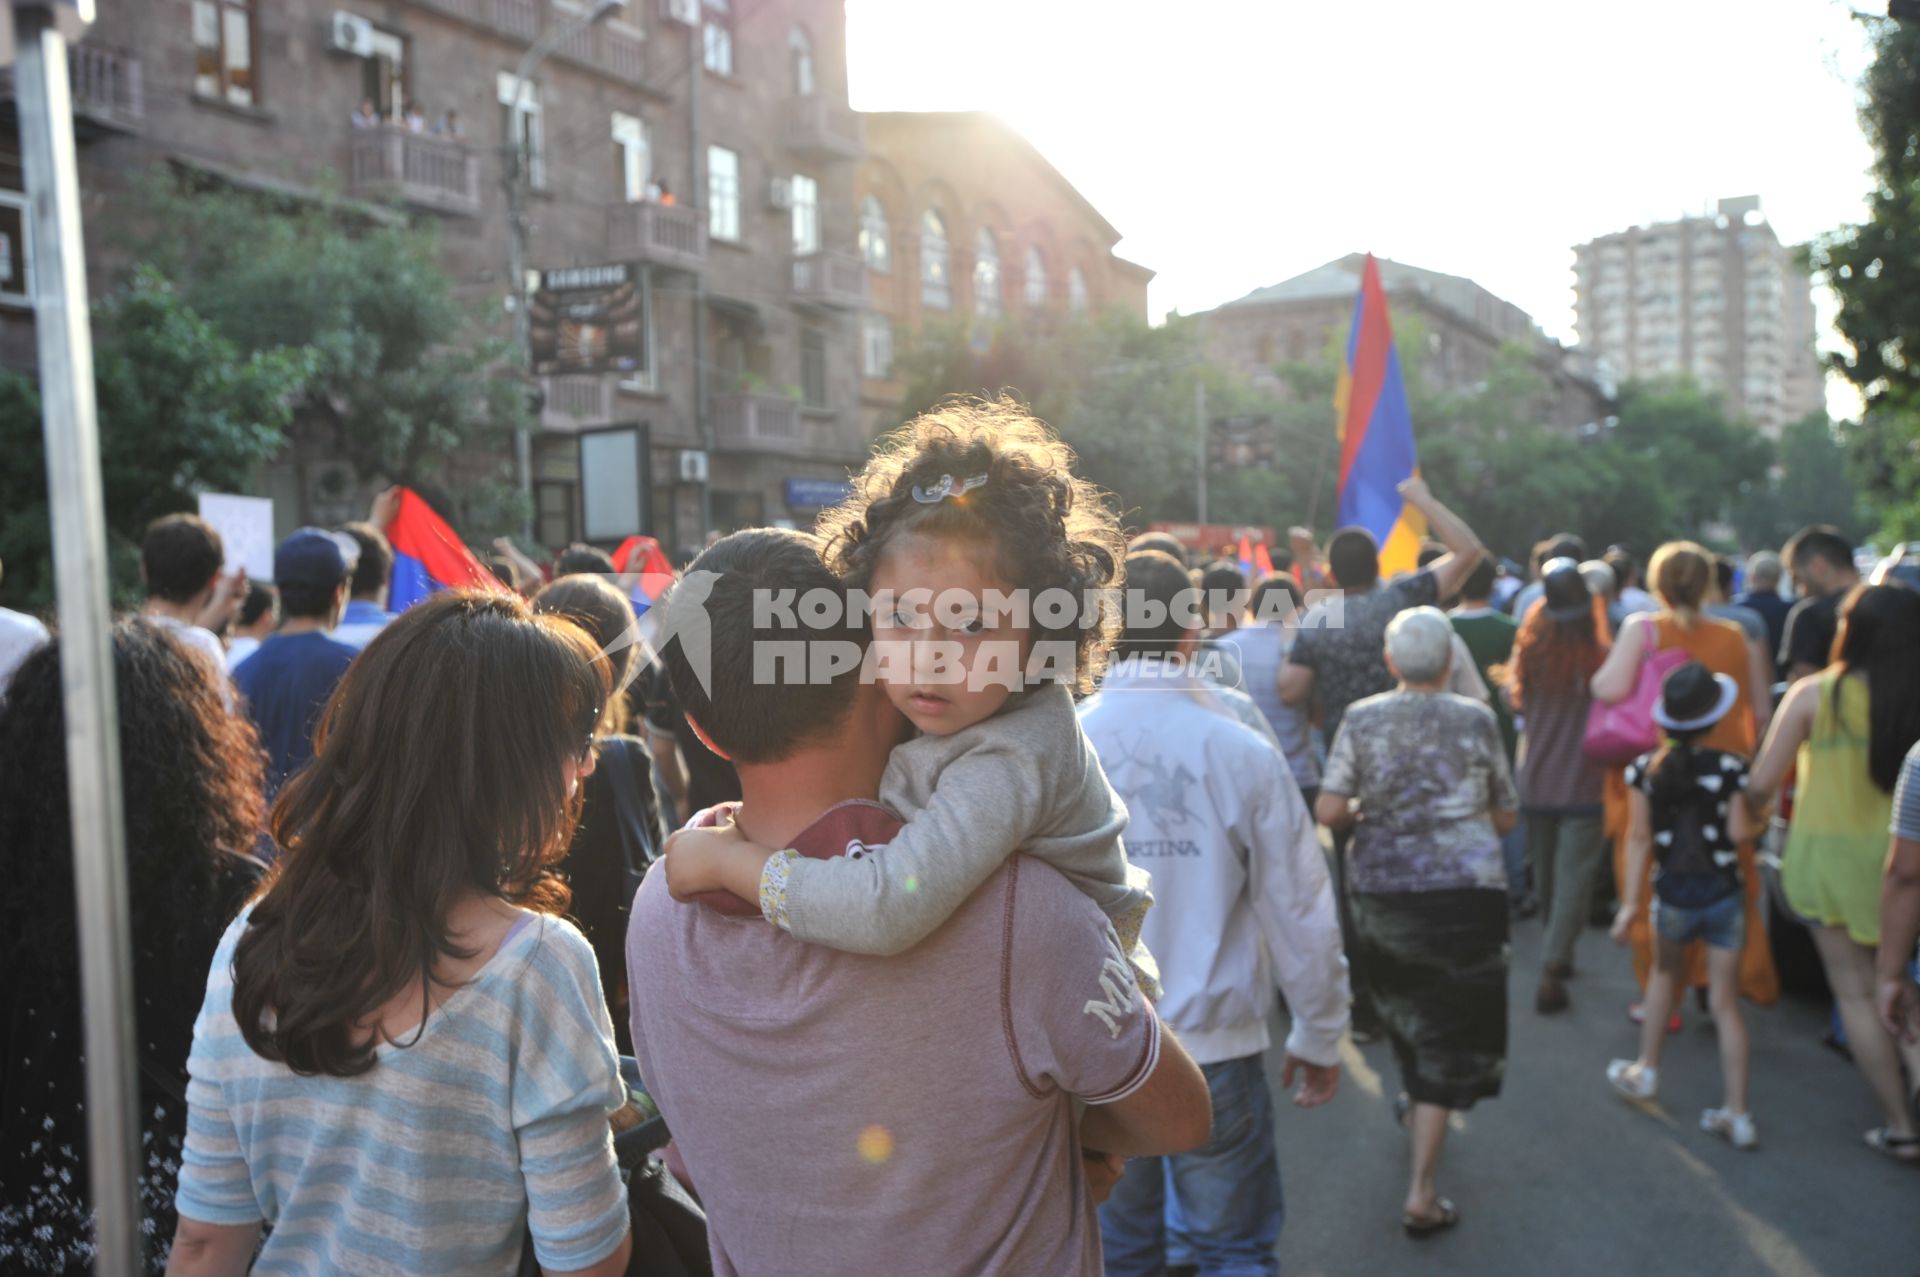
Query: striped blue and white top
column 442, row 1156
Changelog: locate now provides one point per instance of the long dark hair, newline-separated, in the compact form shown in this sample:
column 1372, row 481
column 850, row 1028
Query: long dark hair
column 438, row 771
column 606, row 614
column 191, row 778
column 1880, row 638
column 1670, row 771
column 1553, row 657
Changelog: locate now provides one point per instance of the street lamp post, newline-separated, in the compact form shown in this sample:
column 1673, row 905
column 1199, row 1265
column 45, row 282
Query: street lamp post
column 517, row 176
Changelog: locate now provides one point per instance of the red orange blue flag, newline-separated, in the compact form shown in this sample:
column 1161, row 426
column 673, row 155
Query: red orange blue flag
column 1376, row 433
column 428, row 556
column 645, row 566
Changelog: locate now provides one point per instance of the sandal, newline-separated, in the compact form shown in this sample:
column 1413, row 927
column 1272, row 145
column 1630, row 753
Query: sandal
column 1423, row 1228
column 1901, row 1148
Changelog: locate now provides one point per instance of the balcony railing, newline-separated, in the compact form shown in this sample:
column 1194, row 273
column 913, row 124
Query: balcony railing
column 823, row 129
column 837, row 281
column 108, row 92
column 575, row 400
column 759, row 423
column 518, row 19
column 621, row 54
column 664, row 234
column 414, row 168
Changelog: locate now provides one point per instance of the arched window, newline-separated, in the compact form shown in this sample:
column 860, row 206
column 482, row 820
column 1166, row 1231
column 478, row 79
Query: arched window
column 1076, row 291
column 1036, row 285
column 876, row 247
column 986, row 275
column 800, row 52
column 936, row 262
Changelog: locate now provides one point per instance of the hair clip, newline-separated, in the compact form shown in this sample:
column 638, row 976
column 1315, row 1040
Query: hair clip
column 947, row 488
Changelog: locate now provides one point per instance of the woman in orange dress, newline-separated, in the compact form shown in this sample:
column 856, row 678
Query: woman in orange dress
column 1680, row 574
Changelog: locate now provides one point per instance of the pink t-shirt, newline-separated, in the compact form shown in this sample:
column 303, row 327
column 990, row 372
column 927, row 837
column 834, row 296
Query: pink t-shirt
column 847, row 1114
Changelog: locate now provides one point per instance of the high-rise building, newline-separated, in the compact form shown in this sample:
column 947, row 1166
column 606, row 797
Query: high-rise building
column 1716, row 298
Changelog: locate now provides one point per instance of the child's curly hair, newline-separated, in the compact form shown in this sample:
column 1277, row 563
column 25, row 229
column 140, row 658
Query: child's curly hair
column 1048, row 528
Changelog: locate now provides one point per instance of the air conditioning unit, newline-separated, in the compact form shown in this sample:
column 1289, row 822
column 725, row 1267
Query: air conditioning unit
column 685, row 12
column 780, row 194
column 352, row 34
column 693, row 465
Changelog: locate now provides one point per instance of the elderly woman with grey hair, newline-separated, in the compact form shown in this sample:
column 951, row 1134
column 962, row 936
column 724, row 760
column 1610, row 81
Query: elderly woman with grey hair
column 1421, row 777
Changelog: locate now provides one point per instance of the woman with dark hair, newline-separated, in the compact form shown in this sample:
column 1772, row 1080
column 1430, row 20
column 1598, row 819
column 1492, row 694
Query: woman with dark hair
column 620, row 831
column 403, row 1062
column 191, row 779
column 1681, row 573
column 1562, row 640
column 1845, row 732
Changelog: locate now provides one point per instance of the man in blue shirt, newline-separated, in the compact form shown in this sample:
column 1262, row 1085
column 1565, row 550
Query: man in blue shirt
column 287, row 682
column 366, row 613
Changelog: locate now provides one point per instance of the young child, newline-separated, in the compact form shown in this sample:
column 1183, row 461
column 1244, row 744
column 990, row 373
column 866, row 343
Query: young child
column 975, row 498
column 1683, row 813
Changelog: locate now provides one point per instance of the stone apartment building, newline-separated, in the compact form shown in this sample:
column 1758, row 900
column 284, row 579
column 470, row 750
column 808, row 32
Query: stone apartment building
column 962, row 220
column 1717, row 298
column 749, row 281
column 1462, row 327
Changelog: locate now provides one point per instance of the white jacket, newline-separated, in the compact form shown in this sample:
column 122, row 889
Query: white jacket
column 1241, row 893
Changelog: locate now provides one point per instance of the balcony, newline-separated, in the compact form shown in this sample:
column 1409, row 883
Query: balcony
column 576, row 400
column 759, row 423
column 414, row 168
column 834, row 281
column 108, row 92
column 825, row 130
column 669, row 235
column 515, row 19
column 613, row 53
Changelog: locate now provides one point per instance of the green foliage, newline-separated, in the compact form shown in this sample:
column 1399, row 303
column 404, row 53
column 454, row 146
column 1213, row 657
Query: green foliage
column 405, row 369
column 1673, row 465
column 1874, row 268
column 182, row 410
column 1811, row 483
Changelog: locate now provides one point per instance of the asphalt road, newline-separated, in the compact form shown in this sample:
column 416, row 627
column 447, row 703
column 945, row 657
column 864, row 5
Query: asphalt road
column 1561, row 1176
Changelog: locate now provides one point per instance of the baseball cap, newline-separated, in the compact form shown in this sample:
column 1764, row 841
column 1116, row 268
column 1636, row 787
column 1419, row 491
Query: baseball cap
column 314, row 558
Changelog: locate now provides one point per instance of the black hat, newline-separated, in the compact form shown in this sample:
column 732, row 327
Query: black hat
column 1566, row 592
column 1692, row 697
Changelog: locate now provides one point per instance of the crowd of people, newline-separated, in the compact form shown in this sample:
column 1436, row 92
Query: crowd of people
column 946, row 957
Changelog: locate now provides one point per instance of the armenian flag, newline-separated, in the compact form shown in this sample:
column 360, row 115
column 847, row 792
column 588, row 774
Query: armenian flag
column 428, row 556
column 651, row 571
column 1376, row 433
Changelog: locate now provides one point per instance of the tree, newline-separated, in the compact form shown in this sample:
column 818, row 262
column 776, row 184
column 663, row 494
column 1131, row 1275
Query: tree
column 407, row 372
column 1810, row 483
column 1874, row 268
column 182, row 410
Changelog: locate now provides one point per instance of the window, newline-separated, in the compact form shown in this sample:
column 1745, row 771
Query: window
column 806, row 214
column 800, row 51
column 936, row 286
column 813, row 368
column 383, row 77
column 876, row 249
column 723, row 193
column 986, row 275
column 644, row 378
column 223, row 51
column 717, row 33
column 633, row 156
column 1036, row 285
column 876, row 345
column 1076, row 291
column 520, row 125
column 16, row 284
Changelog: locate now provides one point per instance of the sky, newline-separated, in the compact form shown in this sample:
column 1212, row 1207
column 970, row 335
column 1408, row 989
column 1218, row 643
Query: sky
column 1236, row 143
